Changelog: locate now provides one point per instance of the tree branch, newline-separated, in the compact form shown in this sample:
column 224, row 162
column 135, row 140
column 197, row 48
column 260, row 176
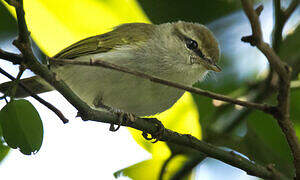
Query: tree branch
column 11, row 57
column 23, row 38
column 291, row 8
column 256, row 39
column 144, row 125
column 281, row 17
column 262, row 107
column 284, row 72
column 188, row 141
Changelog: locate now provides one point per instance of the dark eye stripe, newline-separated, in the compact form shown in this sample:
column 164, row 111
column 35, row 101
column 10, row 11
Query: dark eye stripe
column 191, row 44
column 199, row 53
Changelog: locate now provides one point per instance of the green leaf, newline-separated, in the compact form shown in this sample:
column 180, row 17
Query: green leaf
column 295, row 107
column 289, row 49
column 9, row 29
column 150, row 169
column 22, row 126
column 3, row 151
column 1, row 133
column 295, row 110
column 265, row 143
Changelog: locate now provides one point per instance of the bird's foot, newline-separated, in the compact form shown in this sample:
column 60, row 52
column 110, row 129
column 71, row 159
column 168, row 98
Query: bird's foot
column 122, row 117
column 158, row 134
column 120, row 120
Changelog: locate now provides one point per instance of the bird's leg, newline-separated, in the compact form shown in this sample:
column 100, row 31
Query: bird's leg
column 121, row 115
column 158, row 134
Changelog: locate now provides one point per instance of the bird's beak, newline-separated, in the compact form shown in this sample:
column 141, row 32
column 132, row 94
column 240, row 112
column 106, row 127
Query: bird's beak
column 215, row 67
column 211, row 65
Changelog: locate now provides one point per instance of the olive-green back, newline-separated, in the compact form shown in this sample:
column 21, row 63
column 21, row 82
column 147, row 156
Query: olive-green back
column 124, row 34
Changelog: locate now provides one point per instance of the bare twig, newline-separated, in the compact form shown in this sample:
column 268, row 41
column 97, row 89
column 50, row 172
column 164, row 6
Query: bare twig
column 256, row 39
column 278, row 26
column 262, row 107
column 38, row 98
column 291, row 8
column 281, row 17
column 284, row 72
column 16, row 81
column 13, row 58
column 23, row 38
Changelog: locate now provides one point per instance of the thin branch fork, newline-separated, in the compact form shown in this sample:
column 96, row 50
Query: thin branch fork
column 284, row 71
column 290, row 9
column 281, row 17
column 98, row 62
column 256, row 39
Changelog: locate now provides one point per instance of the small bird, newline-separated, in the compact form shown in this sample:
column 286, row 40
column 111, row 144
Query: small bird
column 181, row 52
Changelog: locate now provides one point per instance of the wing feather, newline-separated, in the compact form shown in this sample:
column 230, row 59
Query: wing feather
column 124, row 34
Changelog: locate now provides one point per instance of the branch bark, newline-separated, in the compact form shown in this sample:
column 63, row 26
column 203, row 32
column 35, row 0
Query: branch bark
column 11, row 57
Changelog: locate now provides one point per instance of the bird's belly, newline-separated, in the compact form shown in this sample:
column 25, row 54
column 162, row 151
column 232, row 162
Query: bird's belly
column 120, row 91
column 140, row 97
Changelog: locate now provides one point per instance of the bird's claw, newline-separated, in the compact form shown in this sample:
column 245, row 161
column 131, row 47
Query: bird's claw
column 158, row 134
column 122, row 117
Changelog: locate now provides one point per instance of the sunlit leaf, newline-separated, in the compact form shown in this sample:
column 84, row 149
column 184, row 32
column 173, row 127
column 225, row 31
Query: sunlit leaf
column 22, row 126
column 56, row 24
column 150, row 169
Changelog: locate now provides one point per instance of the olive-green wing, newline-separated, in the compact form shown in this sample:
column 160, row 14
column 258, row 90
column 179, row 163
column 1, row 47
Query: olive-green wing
column 125, row 34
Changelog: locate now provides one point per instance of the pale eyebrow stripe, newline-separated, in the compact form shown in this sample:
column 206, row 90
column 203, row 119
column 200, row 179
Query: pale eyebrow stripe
column 185, row 38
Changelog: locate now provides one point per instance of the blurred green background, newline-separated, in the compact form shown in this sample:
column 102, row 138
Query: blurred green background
column 250, row 133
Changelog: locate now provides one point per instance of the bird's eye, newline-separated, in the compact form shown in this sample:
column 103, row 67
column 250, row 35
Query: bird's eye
column 191, row 44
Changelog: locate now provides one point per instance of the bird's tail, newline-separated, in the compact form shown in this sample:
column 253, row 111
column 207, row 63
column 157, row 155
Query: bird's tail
column 35, row 84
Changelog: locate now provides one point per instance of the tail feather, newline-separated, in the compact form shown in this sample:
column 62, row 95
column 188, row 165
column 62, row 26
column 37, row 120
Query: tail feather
column 36, row 84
